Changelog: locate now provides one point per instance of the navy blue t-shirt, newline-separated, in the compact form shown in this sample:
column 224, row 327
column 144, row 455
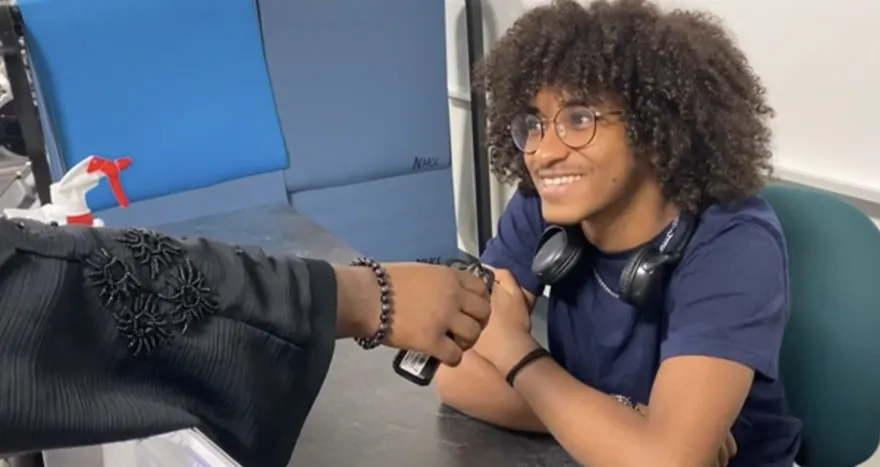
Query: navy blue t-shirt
column 728, row 298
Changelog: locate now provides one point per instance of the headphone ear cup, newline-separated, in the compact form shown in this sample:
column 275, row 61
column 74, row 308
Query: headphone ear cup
column 557, row 254
column 628, row 281
column 644, row 278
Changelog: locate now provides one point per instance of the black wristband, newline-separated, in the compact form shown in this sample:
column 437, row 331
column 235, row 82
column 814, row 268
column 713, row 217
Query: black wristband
column 385, row 301
column 530, row 357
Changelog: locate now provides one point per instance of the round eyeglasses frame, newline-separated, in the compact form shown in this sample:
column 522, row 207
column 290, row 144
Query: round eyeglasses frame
column 572, row 137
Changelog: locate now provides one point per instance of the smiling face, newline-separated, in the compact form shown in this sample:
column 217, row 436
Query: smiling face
column 578, row 183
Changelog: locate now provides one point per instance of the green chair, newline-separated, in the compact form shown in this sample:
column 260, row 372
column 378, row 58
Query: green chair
column 831, row 353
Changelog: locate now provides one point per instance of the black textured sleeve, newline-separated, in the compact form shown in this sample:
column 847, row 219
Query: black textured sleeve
column 109, row 335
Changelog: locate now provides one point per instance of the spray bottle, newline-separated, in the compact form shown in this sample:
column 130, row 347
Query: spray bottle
column 69, row 204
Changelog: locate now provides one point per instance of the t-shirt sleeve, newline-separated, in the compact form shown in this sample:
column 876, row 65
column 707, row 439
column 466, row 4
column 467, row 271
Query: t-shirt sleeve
column 517, row 236
column 730, row 299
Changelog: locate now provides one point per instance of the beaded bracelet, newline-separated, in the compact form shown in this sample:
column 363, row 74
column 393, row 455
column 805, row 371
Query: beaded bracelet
column 384, row 299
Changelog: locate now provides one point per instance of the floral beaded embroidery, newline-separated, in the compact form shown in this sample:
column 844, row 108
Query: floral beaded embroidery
column 149, row 312
column 112, row 276
column 143, row 324
column 191, row 298
column 157, row 251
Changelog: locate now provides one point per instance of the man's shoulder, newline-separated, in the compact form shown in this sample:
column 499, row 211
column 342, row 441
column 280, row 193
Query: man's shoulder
column 738, row 225
column 516, row 238
column 747, row 234
column 729, row 297
column 521, row 224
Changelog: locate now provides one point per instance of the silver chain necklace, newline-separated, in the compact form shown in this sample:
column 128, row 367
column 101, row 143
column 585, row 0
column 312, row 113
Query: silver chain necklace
column 668, row 238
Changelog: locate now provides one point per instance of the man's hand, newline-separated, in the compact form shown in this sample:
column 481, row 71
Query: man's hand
column 508, row 337
column 437, row 310
column 727, row 451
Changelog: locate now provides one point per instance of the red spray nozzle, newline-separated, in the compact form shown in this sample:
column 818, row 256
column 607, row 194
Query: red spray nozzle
column 111, row 170
column 123, row 163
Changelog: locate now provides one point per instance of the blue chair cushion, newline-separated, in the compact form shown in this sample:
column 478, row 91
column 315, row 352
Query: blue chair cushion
column 179, row 86
column 360, row 87
column 404, row 218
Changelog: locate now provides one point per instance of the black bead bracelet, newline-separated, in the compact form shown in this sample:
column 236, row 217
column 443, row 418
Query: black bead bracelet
column 387, row 308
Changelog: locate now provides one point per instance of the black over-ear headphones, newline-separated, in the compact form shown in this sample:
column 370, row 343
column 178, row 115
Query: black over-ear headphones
column 643, row 280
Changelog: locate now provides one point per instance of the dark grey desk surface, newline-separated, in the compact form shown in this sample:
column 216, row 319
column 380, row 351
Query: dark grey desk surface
column 367, row 416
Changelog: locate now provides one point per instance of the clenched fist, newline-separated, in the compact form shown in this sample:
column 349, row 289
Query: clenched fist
column 437, row 310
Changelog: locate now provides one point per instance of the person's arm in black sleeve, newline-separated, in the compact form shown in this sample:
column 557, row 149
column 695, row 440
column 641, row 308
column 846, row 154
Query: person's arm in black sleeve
column 110, row 335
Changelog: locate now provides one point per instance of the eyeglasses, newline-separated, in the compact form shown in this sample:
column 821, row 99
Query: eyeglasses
column 574, row 124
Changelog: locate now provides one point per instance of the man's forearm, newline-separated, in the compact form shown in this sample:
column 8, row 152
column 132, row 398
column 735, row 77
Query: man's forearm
column 593, row 427
column 358, row 302
column 477, row 389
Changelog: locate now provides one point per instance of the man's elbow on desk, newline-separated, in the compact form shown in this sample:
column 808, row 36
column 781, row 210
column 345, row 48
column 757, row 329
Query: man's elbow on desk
column 595, row 429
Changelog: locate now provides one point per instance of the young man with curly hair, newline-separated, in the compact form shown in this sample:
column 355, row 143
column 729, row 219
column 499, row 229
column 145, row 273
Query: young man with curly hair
column 631, row 123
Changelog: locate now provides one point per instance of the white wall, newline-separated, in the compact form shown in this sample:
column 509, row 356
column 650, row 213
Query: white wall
column 498, row 15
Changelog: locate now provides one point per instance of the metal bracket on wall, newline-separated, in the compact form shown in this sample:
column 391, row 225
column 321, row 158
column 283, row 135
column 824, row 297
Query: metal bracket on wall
column 474, row 18
column 15, row 57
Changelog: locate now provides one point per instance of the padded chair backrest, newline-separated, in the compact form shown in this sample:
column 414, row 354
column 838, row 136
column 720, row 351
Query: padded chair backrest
column 372, row 75
column 831, row 354
column 180, row 86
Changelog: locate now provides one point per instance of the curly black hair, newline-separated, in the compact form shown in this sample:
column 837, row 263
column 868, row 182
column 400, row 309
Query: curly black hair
column 691, row 102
